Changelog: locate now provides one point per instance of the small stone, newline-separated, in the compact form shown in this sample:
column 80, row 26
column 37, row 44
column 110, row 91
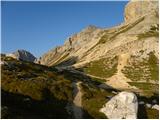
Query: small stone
column 148, row 105
column 114, row 92
column 141, row 103
column 155, row 107
column 26, row 99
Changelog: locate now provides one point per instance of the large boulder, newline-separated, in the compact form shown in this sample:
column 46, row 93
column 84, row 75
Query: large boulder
column 122, row 106
column 22, row 55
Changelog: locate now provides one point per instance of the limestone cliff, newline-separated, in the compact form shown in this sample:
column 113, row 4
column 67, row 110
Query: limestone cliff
column 140, row 18
column 120, row 54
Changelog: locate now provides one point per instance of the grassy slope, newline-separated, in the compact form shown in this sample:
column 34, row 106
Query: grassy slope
column 146, row 70
column 93, row 99
column 48, row 91
column 35, row 81
column 104, row 68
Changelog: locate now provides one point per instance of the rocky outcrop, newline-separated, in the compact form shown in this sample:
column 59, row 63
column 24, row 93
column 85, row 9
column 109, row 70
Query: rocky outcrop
column 137, row 8
column 75, row 45
column 22, row 55
column 122, row 106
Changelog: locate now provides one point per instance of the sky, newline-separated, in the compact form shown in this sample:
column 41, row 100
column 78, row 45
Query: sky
column 40, row 26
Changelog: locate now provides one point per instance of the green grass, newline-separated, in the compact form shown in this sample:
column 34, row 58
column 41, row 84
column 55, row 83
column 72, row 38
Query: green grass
column 93, row 99
column 153, row 63
column 31, row 79
column 148, row 89
column 98, row 80
column 145, row 70
column 104, row 68
column 152, row 113
column 49, row 92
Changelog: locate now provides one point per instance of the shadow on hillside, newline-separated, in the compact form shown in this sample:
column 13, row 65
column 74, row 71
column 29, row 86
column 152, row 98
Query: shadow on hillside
column 24, row 107
column 78, row 76
column 68, row 62
column 142, row 112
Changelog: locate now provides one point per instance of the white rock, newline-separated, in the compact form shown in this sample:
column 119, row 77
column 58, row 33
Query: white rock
column 114, row 92
column 155, row 107
column 148, row 105
column 141, row 103
column 3, row 63
column 124, row 105
column 26, row 99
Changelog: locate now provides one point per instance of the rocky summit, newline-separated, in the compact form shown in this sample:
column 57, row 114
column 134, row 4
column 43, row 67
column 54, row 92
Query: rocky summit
column 22, row 55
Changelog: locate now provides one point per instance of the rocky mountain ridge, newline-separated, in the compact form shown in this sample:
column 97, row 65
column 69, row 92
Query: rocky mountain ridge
column 92, row 43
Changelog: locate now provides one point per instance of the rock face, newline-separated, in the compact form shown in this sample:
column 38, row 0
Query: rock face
column 137, row 8
column 73, row 45
column 122, row 106
column 22, row 55
column 93, row 43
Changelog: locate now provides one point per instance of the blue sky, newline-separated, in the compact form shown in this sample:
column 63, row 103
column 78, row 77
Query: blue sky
column 39, row 26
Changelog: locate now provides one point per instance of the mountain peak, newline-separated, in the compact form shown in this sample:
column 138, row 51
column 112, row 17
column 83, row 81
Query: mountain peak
column 90, row 28
column 136, row 8
column 21, row 54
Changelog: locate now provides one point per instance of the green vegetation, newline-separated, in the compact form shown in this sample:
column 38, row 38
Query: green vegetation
column 153, row 64
column 148, row 89
column 48, row 92
column 98, row 80
column 104, row 68
column 93, row 99
column 152, row 113
column 145, row 70
column 31, row 79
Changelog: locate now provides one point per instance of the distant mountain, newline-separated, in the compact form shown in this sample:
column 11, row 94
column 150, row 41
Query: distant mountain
column 22, row 55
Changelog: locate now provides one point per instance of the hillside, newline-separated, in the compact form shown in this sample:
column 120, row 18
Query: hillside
column 35, row 91
column 127, row 54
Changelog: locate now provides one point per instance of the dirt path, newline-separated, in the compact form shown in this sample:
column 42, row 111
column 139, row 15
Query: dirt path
column 118, row 80
column 78, row 113
column 75, row 108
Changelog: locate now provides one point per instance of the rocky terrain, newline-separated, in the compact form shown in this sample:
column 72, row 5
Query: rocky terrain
column 97, row 73
column 22, row 55
column 127, row 54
